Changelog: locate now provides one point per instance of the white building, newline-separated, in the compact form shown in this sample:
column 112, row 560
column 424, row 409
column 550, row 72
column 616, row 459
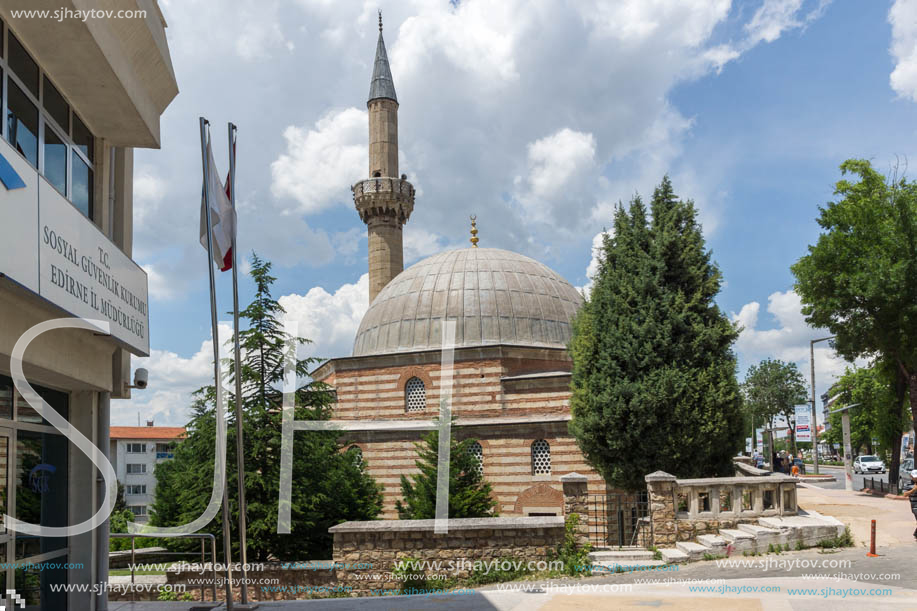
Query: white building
column 77, row 95
column 135, row 452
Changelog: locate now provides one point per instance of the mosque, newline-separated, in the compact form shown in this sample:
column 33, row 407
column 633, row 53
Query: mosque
column 511, row 380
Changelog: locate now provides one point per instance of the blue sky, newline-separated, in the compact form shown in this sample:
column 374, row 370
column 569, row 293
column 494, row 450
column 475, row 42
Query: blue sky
column 536, row 118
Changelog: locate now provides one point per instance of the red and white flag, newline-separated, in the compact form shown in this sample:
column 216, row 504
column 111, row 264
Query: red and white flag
column 222, row 216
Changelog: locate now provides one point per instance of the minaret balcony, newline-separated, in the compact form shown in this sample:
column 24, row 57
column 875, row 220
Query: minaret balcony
column 384, row 197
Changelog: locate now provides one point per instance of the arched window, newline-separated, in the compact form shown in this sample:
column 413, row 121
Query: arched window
column 477, row 452
column 415, row 395
column 541, row 457
column 357, row 455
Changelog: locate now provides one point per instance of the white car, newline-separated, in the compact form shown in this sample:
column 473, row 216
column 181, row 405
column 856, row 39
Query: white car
column 868, row 464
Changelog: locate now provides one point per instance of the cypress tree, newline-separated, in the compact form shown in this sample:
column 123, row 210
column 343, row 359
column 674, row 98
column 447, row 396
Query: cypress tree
column 654, row 376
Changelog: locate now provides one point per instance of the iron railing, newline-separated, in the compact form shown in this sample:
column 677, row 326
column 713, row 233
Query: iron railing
column 202, row 536
column 619, row 519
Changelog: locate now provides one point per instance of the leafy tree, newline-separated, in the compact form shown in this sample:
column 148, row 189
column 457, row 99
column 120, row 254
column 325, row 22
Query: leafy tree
column 329, row 486
column 469, row 493
column 654, row 383
column 858, row 279
column 120, row 503
column 880, row 411
column 118, row 524
column 772, row 390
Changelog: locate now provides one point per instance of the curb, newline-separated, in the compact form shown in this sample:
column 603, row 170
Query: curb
column 817, row 478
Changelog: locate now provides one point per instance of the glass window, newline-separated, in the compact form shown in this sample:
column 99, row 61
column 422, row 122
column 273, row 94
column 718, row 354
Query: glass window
column 6, row 398
column 59, row 402
column 34, row 585
column 477, row 452
column 81, row 189
column 415, row 395
column 138, row 510
column 55, row 104
column 22, row 65
column 138, row 468
column 82, row 137
column 41, row 488
column 22, row 123
column 55, row 160
column 541, row 457
column 136, row 448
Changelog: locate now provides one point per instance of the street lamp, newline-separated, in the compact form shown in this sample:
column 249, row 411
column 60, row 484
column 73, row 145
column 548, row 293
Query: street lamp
column 814, row 418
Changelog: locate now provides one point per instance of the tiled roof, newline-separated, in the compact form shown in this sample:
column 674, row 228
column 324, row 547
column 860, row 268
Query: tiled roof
column 147, row 432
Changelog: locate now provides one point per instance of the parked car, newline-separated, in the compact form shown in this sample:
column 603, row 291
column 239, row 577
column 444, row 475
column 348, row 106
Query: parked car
column 868, row 464
column 801, row 464
column 904, row 473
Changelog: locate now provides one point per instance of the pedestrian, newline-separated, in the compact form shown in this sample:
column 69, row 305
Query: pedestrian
column 912, row 494
column 795, row 471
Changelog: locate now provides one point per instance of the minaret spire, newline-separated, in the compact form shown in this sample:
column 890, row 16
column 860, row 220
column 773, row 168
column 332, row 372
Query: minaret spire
column 382, row 85
column 384, row 201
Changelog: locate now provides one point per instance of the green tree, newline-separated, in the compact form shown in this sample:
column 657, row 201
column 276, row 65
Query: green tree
column 329, row 486
column 470, row 495
column 654, row 383
column 858, row 279
column 880, row 411
column 772, row 390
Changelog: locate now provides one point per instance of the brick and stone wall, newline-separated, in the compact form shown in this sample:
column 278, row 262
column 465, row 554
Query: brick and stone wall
column 469, row 540
column 506, row 397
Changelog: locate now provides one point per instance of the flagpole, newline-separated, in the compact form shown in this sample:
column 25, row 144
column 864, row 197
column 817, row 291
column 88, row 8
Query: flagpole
column 240, row 444
column 218, row 382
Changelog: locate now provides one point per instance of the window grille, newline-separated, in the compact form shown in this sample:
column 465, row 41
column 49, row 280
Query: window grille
column 541, row 457
column 415, row 395
column 357, row 455
column 477, row 452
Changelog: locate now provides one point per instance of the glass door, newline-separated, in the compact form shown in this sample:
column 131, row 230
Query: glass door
column 6, row 544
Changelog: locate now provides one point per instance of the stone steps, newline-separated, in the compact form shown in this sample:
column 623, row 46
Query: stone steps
column 625, row 566
column 619, row 555
column 769, row 532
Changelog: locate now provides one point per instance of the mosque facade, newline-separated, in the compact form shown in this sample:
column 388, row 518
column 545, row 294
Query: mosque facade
column 511, row 372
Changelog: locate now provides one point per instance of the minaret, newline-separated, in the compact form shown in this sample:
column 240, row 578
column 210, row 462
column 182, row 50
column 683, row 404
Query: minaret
column 385, row 200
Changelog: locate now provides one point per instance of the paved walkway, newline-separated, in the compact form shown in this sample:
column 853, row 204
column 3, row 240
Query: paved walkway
column 895, row 523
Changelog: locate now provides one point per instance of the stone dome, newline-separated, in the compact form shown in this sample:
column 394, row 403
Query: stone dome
column 495, row 296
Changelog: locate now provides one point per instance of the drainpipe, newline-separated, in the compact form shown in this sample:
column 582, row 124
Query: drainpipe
column 102, row 538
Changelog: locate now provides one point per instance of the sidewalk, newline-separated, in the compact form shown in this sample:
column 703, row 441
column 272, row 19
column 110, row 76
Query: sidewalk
column 674, row 598
column 894, row 521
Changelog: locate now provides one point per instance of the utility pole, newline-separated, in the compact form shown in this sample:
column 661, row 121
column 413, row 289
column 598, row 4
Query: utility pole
column 814, row 417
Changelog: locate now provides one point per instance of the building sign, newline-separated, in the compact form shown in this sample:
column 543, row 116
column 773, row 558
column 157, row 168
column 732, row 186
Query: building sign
column 803, row 423
column 77, row 267
column 759, row 440
column 748, row 445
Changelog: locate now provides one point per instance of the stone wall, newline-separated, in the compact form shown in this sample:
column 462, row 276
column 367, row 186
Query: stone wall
column 383, row 543
column 682, row 509
column 277, row 580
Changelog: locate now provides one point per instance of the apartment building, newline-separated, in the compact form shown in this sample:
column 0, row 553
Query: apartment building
column 135, row 451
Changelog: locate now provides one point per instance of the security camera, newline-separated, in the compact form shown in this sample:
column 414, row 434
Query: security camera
column 141, row 378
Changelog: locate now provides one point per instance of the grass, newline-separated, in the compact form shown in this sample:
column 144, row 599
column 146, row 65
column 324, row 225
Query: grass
column 845, row 540
column 127, row 572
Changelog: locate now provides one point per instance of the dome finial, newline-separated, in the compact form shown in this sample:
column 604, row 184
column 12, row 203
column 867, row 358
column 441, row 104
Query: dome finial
column 380, row 19
column 474, row 231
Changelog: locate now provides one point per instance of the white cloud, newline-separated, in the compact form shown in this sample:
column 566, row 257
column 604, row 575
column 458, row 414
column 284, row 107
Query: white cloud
column 173, row 378
column 903, row 19
column 329, row 320
column 787, row 339
column 320, row 163
column 560, row 167
column 593, row 268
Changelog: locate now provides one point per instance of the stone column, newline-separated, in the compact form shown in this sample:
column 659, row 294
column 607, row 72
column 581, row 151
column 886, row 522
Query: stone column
column 660, row 488
column 576, row 501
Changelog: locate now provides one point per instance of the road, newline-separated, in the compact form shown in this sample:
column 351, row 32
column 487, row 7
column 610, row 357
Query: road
column 838, row 473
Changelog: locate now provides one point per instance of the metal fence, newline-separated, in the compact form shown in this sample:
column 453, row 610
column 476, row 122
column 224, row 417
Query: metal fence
column 874, row 484
column 204, row 537
column 619, row 519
